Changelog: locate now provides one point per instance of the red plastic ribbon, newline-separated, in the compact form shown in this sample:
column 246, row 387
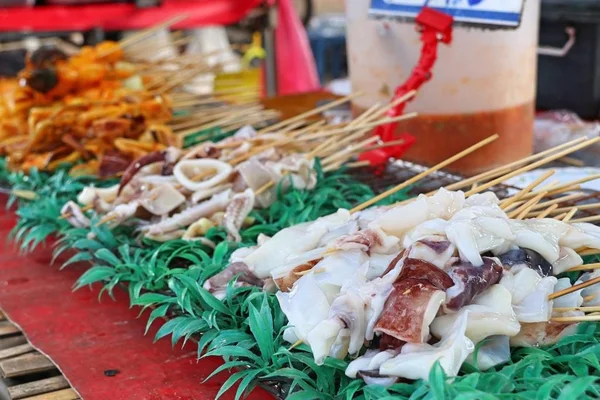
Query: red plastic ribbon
column 435, row 27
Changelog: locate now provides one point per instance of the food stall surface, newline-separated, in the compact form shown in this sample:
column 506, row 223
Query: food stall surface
column 86, row 337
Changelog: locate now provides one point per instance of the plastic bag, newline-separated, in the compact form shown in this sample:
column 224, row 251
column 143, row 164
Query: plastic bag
column 554, row 128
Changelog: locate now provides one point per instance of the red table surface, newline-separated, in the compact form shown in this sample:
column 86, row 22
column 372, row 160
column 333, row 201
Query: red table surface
column 123, row 16
column 85, row 337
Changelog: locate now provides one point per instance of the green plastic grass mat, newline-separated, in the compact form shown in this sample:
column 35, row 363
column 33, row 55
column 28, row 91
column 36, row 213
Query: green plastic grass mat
column 245, row 329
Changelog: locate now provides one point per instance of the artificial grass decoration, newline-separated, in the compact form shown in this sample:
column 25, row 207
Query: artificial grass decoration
column 245, row 329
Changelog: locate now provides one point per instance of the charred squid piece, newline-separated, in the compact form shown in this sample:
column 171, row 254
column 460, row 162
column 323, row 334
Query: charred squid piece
column 529, row 258
column 218, row 283
column 469, row 281
column 135, row 166
column 42, row 80
column 46, row 56
column 419, row 269
column 409, row 310
column 111, row 163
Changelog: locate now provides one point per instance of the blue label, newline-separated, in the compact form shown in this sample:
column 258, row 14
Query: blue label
column 484, row 12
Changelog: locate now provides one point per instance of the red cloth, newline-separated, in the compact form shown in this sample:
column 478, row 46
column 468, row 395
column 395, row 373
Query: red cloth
column 296, row 68
column 85, row 337
column 124, row 16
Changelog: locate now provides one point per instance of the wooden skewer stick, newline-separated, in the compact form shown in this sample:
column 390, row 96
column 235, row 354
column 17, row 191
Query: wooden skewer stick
column 349, row 151
column 310, row 113
column 559, row 200
column 570, row 215
column 574, row 288
column 586, row 267
column 527, row 189
column 569, row 186
column 148, row 32
column 591, row 206
column 424, row 174
column 358, row 164
column 83, row 209
column 583, row 308
column 560, row 216
column 532, row 166
column 593, row 218
column 588, row 252
column 522, row 211
column 572, row 161
column 547, row 211
column 507, row 168
column 583, row 318
column 590, row 297
column 369, row 125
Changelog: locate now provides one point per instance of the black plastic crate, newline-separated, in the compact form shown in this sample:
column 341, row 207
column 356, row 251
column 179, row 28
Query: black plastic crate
column 571, row 81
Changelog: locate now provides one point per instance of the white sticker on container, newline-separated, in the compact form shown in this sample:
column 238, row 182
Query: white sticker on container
column 505, row 13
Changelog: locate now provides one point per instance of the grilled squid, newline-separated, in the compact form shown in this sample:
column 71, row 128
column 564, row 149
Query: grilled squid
column 185, row 172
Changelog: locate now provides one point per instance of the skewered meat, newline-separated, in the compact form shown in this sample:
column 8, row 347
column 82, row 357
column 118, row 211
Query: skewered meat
column 490, row 314
column 542, row 334
column 470, row 281
column 409, row 310
column 414, row 268
column 416, row 360
column 292, row 242
column 303, row 319
column 530, row 294
column 187, row 217
column 237, row 210
column 435, row 250
column 570, row 300
column 162, row 199
column 75, row 216
column 495, row 351
column 217, row 285
column 186, row 170
column 517, row 259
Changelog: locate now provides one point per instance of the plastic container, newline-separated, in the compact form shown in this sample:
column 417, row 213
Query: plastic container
column 483, row 83
column 570, row 79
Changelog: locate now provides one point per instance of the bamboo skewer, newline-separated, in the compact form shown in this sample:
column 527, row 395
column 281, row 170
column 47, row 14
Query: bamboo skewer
column 582, row 308
column 570, row 215
column 424, row 174
column 532, row 166
column 360, row 127
column 574, row 288
column 523, row 210
column 505, row 203
column 593, row 218
column 310, row 113
column 148, row 32
column 586, row 267
column 502, row 170
column 584, row 318
column 547, row 211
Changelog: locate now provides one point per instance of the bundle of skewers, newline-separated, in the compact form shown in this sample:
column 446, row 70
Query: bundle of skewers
column 429, row 279
column 172, row 194
column 100, row 110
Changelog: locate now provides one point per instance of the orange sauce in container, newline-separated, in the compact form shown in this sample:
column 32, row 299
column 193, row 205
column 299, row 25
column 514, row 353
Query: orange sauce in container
column 483, row 83
column 441, row 136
